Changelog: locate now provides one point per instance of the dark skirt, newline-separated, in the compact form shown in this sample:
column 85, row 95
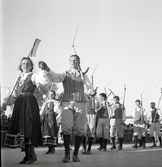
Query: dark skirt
column 25, row 119
column 49, row 128
column 49, row 125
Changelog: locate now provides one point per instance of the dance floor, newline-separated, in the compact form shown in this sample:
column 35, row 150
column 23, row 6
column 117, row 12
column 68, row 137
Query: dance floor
column 129, row 157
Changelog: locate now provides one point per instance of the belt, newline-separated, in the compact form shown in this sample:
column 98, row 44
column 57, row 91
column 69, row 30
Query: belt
column 26, row 93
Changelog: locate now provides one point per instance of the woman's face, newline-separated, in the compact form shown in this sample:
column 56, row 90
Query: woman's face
column 26, row 66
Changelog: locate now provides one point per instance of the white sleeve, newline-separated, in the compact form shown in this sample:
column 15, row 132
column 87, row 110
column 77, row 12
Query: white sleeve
column 145, row 117
column 160, row 114
column 88, row 85
column 10, row 99
column 55, row 77
column 42, row 109
column 124, row 114
column 133, row 113
column 149, row 115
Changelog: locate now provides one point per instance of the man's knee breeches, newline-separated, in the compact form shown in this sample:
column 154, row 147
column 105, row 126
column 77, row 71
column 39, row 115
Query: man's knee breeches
column 73, row 116
column 155, row 127
column 116, row 129
column 139, row 130
column 103, row 128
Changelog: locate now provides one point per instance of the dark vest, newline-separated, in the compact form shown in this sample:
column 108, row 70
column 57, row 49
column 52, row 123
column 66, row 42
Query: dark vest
column 118, row 112
column 73, row 88
column 155, row 119
column 102, row 113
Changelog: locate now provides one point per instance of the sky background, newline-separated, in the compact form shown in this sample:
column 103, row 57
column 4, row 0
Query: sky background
column 123, row 36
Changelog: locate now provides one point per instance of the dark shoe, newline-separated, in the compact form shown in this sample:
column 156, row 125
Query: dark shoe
column 104, row 149
column 75, row 158
column 83, row 151
column 160, row 146
column 135, row 146
column 140, row 145
column 24, row 161
column 120, row 148
column 47, row 152
column 113, row 147
column 100, row 148
column 32, row 160
column 52, row 150
column 66, row 158
column 154, row 145
column 144, row 146
column 88, row 152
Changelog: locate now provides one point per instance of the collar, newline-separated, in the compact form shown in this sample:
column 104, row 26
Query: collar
column 74, row 72
column 25, row 75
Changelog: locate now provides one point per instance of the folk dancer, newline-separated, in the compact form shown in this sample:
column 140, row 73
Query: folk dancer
column 103, row 123
column 25, row 119
column 139, row 124
column 155, row 117
column 117, row 119
column 73, row 104
column 48, row 122
column 90, row 125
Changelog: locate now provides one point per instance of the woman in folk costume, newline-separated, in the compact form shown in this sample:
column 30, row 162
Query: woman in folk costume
column 25, row 121
column 48, row 122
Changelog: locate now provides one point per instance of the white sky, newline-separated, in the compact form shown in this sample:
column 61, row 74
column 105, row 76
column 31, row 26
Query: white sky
column 123, row 36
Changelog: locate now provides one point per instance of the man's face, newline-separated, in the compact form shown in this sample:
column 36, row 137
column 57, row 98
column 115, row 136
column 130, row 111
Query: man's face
column 101, row 98
column 116, row 101
column 74, row 62
column 137, row 104
column 152, row 106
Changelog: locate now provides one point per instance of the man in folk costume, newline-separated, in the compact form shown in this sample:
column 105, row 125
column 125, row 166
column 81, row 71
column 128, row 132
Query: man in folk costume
column 90, row 126
column 103, row 123
column 155, row 117
column 139, row 122
column 117, row 118
column 73, row 104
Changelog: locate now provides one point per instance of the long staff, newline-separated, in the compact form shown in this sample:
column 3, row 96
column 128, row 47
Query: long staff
column 142, row 115
column 107, row 106
column 158, row 105
column 32, row 53
column 79, row 67
column 124, row 96
column 92, row 80
column 73, row 46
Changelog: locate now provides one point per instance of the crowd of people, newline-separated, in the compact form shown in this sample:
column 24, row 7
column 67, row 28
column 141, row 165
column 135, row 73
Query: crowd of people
column 77, row 111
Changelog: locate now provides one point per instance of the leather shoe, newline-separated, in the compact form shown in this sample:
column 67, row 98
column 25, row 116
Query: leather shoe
column 135, row 146
column 66, row 158
column 32, row 159
column 24, row 161
column 104, row 149
column 120, row 148
column 100, row 148
column 47, row 152
column 83, row 151
column 88, row 152
column 154, row 145
column 113, row 147
column 75, row 158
